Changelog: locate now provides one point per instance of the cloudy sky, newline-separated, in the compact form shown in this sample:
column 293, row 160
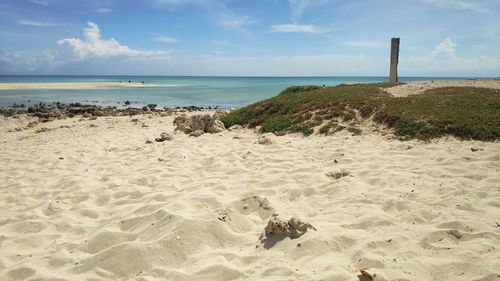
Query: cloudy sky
column 249, row 37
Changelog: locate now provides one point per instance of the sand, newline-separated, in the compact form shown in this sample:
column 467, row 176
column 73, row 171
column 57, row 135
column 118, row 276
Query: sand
column 71, row 86
column 90, row 200
column 419, row 87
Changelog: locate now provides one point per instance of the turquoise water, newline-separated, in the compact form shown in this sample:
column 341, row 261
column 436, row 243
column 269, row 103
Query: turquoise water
column 225, row 92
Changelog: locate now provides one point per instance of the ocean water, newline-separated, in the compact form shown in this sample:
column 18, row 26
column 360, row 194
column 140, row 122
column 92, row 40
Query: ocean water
column 225, row 92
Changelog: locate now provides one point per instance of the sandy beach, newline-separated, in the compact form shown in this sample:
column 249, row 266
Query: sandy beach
column 71, row 86
column 418, row 87
column 91, row 200
column 220, row 140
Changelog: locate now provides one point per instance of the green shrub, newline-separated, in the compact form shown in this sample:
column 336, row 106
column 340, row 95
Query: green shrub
column 464, row 112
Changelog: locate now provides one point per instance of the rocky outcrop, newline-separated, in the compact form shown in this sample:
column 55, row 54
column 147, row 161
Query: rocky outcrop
column 183, row 124
column 293, row 228
column 198, row 124
column 216, row 127
column 49, row 112
column 201, row 122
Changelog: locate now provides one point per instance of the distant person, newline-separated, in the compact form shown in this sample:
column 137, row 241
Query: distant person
column 129, row 81
column 142, row 82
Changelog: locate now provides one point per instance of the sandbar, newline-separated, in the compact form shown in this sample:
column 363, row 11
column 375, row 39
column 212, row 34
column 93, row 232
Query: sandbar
column 71, row 85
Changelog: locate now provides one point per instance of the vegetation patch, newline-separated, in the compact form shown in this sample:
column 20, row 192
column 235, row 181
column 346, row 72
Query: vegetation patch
column 330, row 127
column 464, row 112
column 354, row 131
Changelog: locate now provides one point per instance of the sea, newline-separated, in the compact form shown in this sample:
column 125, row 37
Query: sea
column 173, row 91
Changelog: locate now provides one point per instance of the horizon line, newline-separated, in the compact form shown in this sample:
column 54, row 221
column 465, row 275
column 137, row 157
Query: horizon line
column 236, row 76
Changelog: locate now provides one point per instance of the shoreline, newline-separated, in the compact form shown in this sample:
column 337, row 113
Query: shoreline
column 402, row 90
column 56, row 110
column 59, row 111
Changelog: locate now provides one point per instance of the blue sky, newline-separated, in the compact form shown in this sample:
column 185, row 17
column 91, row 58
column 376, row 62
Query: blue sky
column 249, row 37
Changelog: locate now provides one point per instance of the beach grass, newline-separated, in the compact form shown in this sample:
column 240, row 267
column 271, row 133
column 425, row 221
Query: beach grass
column 463, row 112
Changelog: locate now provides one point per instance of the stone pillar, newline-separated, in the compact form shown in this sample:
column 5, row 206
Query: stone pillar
column 393, row 76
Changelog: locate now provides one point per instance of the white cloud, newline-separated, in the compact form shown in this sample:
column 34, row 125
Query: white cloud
column 309, row 65
column 469, row 5
column 288, row 28
column 230, row 20
column 164, row 39
column 298, row 7
column 180, row 2
column 365, row 44
column 444, row 61
column 28, row 62
column 94, row 46
column 40, row 2
column 446, row 47
column 36, row 23
column 216, row 10
column 103, row 10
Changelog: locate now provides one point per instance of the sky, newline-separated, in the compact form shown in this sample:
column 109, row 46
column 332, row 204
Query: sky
column 249, row 37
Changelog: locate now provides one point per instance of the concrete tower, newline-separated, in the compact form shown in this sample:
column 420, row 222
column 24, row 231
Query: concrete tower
column 393, row 76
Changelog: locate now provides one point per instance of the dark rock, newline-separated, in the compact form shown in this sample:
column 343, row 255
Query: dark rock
column 32, row 124
column 57, row 110
column 45, row 120
column 164, row 137
column 337, row 175
column 41, row 130
column 98, row 113
column 455, row 233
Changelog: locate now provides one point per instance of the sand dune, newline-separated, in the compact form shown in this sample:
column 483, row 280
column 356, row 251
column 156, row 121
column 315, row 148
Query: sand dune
column 71, row 86
column 82, row 202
